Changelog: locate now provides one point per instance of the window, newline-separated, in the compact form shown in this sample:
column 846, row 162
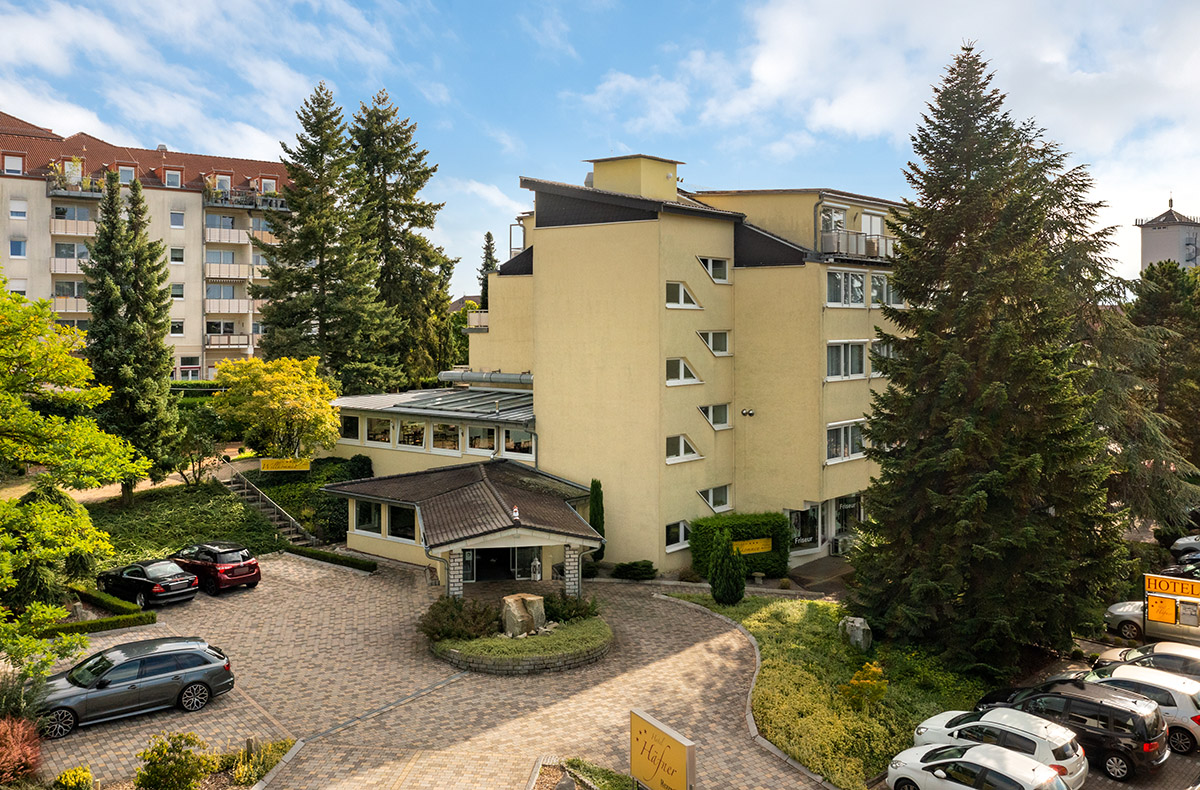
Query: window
column 16, row 248
column 77, row 323
column 847, row 512
column 224, row 183
column 1019, row 743
column 80, row 213
column 717, row 268
column 883, row 350
column 256, row 327
column 845, row 360
column 176, row 290
column 125, row 174
column 73, row 171
column 176, row 255
column 218, row 256
column 70, row 249
column 882, row 292
column 189, row 374
column 872, row 224
column 18, row 209
column 159, row 665
column 218, row 291
column 379, row 429
column 962, row 773
column 680, row 449
column 717, row 342
column 17, row 286
column 218, row 327
column 367, row 514
column 844, row 441
column 218, row 221
column 412, row 433
column 717, row 415
column 444, row 436
column 1087, row 714
column 173, row 178
column 350, row 428
column 176, row 219
column 678, row 533
column 124, row 673
column 190, row 660
column 678, row 373
column 806, row 526
column 679, row 296
column 980, row 734
column 402, row 522
column 260, row 224
column 71, row 288
column 481, row 439
column 717, row 498
column 176, row 328
column 268, row 185
column 189, row 362
column 844, row 289
column 13, row 165
column 832, row 219
column 518, row 442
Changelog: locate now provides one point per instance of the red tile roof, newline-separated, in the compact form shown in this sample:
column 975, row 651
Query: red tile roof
column 12, row 125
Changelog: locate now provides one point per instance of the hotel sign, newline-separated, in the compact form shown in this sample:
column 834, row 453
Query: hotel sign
column 755, row 546
column 659, row 757
column 1160, row 609
column 285, row 464
column 1171, row 585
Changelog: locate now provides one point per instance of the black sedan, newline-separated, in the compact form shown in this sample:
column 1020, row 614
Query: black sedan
column 150, row 581
column 1189, row 570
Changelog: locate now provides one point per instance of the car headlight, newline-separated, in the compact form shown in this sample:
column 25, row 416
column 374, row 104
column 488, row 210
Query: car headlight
column 921, row 730
column 895, row 764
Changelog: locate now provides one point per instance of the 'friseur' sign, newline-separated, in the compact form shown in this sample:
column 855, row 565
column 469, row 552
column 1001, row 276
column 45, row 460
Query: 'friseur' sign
column 659, row 757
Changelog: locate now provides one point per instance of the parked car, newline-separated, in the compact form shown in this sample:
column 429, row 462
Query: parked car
column 219, row 564
column 1178, row 698
column 1174, row 657
column 136, row 677
column 977, row 765
column 1125, row 618
column 1049, row 743
column 1185, row 545
column 149, row 581
column 1124, row 732
column 1182, row 570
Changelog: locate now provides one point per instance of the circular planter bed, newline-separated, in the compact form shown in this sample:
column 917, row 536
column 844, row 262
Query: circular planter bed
column 571, row 645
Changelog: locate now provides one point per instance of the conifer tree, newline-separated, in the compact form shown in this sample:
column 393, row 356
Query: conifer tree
column 988, row 525
column 127, row 337
column 596, row 514
column 489, row 265
column 321, row 294
column 726, row 571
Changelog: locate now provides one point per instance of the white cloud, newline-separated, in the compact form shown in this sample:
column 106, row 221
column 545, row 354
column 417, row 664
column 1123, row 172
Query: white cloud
column 34, row 101
column 550, row 31
column 647, row 104
column 488, row 193
column 509, row 144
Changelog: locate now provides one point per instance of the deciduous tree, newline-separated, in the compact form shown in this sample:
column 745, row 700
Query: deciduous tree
column 284, row 404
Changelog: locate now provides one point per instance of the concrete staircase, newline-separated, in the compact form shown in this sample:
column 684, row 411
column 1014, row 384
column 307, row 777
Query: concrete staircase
column 287, row 527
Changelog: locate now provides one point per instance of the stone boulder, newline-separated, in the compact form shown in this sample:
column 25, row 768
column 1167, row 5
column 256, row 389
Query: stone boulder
column 857, row 631
column 522, row 613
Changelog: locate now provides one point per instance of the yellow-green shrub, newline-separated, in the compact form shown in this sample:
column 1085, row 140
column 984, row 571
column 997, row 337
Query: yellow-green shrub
column 75, row 779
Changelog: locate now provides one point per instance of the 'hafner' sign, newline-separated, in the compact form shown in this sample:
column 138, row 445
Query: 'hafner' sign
column 659, row 757
column 1171, row 585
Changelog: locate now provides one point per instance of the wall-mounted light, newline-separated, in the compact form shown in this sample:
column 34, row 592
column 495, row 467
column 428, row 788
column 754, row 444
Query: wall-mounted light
column 747, row 412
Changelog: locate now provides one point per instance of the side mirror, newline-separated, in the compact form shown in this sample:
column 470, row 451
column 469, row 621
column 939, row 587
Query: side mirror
column 103, row 683
column 940, row 774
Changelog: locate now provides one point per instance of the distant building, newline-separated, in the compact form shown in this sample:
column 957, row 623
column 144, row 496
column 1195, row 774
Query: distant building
column 461, row 302
column 1170, row 236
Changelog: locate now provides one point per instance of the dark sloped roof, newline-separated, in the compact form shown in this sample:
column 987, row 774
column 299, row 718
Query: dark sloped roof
column 686, row 206
column 472, row 500
column 753, row 246
column 1171, row 217
column 521, row 263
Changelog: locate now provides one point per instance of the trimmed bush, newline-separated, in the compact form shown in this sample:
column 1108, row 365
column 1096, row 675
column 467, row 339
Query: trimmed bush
column 333, row 557
column 596, row 514
column 457, row 618
column 785, row 583
column 75, row 779
column 102, row 600
column 172, row 762
column 743, row 526
column 640, row 570
column 20, row 749
column 727, row 571
column 103, row 624
column 574, row 637
column 563, row 608
column 590, row 570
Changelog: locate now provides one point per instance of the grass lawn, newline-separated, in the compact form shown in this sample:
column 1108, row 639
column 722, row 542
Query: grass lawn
column 164, row 520
column 570, row 638
column 797, row 703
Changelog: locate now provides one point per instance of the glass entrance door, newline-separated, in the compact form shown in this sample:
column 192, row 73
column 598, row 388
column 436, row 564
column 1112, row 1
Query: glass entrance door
column 522, row 558
column 468, row 565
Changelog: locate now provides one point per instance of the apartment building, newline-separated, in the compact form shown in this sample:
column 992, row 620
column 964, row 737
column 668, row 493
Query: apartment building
column 697, row 353
column 204, row 208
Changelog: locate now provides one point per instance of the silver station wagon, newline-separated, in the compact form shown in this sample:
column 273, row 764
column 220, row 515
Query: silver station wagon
column 136, row 677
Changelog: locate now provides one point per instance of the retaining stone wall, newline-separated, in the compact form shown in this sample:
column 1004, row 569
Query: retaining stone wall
column 522, row 665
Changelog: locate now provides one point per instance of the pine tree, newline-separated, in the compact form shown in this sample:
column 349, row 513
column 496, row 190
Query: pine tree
column 988, row 525
column 489, row 265
column 321, row 294
column 127, row 337
column 413, row 275
column 726, row 571
column 596, row 514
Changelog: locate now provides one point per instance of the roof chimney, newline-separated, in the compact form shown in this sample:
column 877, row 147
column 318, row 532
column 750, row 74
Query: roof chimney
column 162, row 147
column 587, row 180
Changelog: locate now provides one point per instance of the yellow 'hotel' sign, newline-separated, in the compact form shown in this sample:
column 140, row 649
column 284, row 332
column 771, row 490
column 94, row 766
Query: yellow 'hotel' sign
column 755, row 546
column 659, row 757
column 285, row 464
column 1170, row 585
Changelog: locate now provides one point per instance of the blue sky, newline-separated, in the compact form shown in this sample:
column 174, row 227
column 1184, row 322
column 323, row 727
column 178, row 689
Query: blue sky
column 752, row 95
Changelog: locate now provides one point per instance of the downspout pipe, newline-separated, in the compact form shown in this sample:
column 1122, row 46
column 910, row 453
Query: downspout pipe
column 425, row 546
column 817, row 221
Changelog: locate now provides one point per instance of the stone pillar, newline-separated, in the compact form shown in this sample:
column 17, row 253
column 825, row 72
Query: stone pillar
column 454, row 584
column 571, row 572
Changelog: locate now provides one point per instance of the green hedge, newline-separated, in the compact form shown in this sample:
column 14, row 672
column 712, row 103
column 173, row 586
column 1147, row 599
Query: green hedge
column 744, row 526
column 103, row 624
column 109, row 603
column 203, row 388
column 333, row 557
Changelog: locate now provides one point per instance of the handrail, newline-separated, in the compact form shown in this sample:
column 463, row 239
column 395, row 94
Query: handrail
column 257, row 492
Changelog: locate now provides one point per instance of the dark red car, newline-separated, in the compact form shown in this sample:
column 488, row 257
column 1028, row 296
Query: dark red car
column 219, row 564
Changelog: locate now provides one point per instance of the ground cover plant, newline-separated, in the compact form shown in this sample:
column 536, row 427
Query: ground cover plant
column 598, row 777
column 574, row 637
column 799, row 703
column 299, row 493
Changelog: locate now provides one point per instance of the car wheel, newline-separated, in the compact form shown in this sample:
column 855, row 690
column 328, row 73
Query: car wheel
column 905, row 784
column 194, row 697
column 1181, row 741
column 140, row 600
column 59, row 723
column 211, row 587
column 253, row 584
column 1117, row 767
column 1129, row 630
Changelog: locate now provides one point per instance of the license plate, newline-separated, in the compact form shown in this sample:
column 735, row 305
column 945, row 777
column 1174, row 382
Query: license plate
column 239, row 571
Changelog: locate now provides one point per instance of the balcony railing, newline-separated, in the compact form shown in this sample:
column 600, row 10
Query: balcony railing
column 852, row 242
column 226, row 305
column 70, row 304
column 64, row 266
column 226, row 271
column 73, row 227
column 259, row 304
column 83, row 188
column 258, row 271
column 227, row 235
column 265, row 236
column 477, row 321
column 243, row 198
column 227, row 341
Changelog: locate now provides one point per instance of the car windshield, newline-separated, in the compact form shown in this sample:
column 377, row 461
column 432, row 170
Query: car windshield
column 1099, row 674
column 1137, row 652
column 163, row 570
column 232, row 556
column 86, row 672
column 1066, row 750
column 945, row 753
column 964, row 718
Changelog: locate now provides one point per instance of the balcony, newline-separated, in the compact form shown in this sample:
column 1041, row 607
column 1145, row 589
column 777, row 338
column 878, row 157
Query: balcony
column 258, row 271
column 259, row 304
column 73, row 227
column 226, row 236
column 226, row 271
column 477, row 322
column 227, row 341
column 243, row 198
column 237, row 306
column 64, row 266
column 265, row 236
column 88, row 188
column 70, row 304
column 852, row 242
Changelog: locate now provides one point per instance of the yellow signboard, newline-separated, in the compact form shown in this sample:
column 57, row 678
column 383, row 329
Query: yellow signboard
column 755, row 546
column 285, row 464
column 1160, row 609
column 1171, row 585
column 659, row 757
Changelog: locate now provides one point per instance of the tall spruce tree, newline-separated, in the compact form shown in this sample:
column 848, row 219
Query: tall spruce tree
column 988, row 525
column 322, row 295
column 489, row 265
column 413, row 275
column 127, row 337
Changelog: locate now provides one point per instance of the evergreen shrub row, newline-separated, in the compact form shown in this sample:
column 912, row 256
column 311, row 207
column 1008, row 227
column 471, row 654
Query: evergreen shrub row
column 743, row 526
column 639, row 570
column 333, row 557
column 125, row 614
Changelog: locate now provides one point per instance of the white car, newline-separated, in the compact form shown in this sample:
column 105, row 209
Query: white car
column 1049, row 743
column 1173, row 657
column 1178, row 698
column 1185, row 545
column 979, row 765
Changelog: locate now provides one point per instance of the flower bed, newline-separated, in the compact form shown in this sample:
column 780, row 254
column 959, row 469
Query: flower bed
column 571, row 645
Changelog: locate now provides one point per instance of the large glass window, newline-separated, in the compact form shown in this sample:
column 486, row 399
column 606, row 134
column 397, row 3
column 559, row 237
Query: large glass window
column 832, row 219
column 367, row 516
column 445, row 436
column 218, row 221
column 412, row 433
column 844, row 441
column 845, row 289
column 79, row 213
column 402, row 522
column 481, row 438
column 350, row 427
column 218, row 291
column 847, row 512
column 678, row 295
column 71, row 288
column 70, row 250
column 379, row 429
column 678, row 533
column 218, row 256
column 806, row 528
column 218, row 327
column 883, row 293
column 518, row 442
